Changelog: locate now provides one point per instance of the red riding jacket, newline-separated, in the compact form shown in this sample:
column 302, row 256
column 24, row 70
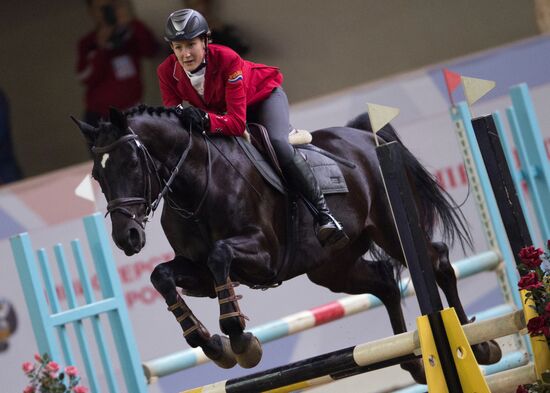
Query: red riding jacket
column 231, row 85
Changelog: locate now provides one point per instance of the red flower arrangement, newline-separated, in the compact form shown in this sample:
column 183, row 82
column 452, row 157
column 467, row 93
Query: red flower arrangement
column 534, row 271
column 536, row 280
column 45, row 377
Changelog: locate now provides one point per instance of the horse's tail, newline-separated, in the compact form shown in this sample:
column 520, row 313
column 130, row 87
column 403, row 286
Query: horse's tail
column 436, row 205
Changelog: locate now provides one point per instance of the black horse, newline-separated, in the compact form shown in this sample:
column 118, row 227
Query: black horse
column 228, row 226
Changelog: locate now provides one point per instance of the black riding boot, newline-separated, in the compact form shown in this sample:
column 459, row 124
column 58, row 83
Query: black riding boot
column 301, row 179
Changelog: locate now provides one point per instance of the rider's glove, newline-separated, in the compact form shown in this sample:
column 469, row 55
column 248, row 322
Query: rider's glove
column 193, row 118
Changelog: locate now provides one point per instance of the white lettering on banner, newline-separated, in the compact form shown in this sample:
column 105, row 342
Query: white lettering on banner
column 454, row 176
column 145, row 295
column 451, row 176
column 129, row 273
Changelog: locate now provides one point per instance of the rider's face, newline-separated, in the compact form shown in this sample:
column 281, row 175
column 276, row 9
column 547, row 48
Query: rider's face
column 190, row 53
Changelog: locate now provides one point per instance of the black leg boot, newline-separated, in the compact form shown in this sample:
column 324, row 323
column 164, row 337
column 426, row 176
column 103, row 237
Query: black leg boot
column 301, row 179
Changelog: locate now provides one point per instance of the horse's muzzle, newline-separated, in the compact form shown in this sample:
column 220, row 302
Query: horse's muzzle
column 130, row 237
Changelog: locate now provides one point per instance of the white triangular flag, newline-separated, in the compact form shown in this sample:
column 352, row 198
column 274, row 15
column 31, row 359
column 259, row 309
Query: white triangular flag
column 85, row 189
column 475, row 88
column 380, row 115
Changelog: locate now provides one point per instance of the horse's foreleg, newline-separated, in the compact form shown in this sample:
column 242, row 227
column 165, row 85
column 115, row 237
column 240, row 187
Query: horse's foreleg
column 488, row 352
column 179, row 272
column 246, row 346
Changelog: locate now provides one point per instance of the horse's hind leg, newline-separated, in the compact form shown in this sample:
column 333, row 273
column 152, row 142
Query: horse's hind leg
column 486, row 353
column 377, row 278
column 385, row 287
column 181, row 272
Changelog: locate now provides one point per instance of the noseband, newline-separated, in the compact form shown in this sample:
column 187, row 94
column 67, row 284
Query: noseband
column 120, row 204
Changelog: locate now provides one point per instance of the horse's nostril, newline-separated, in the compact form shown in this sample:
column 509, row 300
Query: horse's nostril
column 134, row 238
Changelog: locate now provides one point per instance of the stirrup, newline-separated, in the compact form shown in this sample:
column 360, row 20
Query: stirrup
column 333, row 223
column 331, row 235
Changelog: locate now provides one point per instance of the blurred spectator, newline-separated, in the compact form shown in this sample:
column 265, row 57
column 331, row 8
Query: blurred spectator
column 9, row 169
column 109, row 58
column 221, row 33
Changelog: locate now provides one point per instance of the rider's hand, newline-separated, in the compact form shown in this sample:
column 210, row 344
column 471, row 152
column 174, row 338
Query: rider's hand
column 193, row 118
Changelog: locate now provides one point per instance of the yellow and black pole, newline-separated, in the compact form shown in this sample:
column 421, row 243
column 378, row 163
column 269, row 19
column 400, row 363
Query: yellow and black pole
column 449, row 362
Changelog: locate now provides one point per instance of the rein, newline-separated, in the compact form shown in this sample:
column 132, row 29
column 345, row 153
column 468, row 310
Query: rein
column 230, row 163
column 119, row 204
column 186, row 214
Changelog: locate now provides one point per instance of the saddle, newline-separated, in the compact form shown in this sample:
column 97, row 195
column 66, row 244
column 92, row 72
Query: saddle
column 323, row 163
column 324, row 166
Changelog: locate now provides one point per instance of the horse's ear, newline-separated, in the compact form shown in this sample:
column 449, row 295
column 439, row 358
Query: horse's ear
column 118, row 119
column 89, row 132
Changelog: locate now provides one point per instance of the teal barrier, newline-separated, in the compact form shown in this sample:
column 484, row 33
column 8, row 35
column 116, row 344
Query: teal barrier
column 532, row 154
column 49, row 322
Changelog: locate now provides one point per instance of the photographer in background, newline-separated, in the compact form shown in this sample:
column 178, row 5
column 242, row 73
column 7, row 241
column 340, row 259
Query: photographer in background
column 109, row 58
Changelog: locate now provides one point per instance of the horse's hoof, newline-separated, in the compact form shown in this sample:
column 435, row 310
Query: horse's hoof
column 247, row 350
column 487, row 352
column 221, row 354
column 416, row 369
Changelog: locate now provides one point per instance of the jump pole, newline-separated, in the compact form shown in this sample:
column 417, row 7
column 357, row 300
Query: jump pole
column 371, row 354
column 307, row 319
column 508, row 362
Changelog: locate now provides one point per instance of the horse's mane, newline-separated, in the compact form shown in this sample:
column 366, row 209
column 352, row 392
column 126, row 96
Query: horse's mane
column 140, row 110
column 150, row 110
column 143, row 109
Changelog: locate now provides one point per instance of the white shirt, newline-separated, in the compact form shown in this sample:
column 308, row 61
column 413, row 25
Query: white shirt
column 197, row 80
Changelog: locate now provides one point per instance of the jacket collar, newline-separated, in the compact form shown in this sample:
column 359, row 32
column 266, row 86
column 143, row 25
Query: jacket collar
column 180, row 75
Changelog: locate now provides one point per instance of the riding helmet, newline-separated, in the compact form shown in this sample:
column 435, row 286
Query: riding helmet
column 185, row 24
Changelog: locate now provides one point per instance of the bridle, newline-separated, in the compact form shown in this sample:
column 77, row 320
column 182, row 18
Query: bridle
column 121, row 204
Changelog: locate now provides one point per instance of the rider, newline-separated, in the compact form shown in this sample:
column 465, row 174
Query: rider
column 224, row 91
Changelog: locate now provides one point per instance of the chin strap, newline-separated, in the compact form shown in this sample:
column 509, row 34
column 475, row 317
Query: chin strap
column 200, row 67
